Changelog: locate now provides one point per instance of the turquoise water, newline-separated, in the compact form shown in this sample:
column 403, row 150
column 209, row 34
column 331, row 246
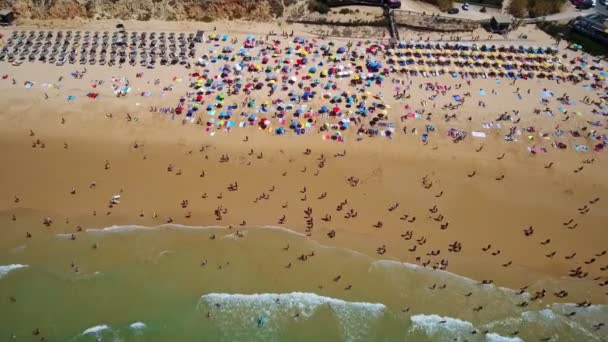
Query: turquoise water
column 141, row 284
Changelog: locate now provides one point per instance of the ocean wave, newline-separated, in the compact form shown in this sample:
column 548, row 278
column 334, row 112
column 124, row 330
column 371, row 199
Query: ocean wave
column 96, row 329
column 5, row 269
column 434, row 273
column 433, row 325
column 455, row 281
column 286, row 230
column 132, row 228
column 439, row 327
column 137, row 325
column 279, row 309
column 553, row 319
column 129, row 228
column 117, row 229
column 63, row 235
column 493, row 337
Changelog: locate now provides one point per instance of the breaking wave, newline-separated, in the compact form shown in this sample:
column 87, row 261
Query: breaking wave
column 5, row 269
column 238, row 313
column 96, row 329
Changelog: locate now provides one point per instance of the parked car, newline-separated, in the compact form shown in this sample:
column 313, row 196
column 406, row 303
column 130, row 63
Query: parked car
column 585, row 4
column 453, row 10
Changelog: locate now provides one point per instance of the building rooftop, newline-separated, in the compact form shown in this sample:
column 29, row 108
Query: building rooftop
column 502, row 19
column 4, row 12
column 597, row 20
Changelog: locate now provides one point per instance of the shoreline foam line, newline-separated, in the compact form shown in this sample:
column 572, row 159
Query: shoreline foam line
column 6, row 269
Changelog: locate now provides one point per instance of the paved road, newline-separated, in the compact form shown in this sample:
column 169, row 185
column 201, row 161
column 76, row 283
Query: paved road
column 569, row 15
column 473, row 13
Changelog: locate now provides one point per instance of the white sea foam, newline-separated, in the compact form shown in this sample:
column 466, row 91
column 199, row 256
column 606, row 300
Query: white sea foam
column 138, row 325
column 5, row 269
column 19, row 249
column 448, row 327
column 131, row 228
column 96, row 329
column 63, row 235
column 545, row 314
column 232, row 236
column 429, row 271
column 492, row 337
column 283, row 229
column 552, row 319
column 279, row 308
column 117, row 229
column 438, row 325
column 306, row 302
column 442, row 275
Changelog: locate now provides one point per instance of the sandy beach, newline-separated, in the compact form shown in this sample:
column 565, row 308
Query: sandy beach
column 481, row 207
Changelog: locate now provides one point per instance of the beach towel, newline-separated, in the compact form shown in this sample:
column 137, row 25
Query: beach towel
column 478, row 134
column 71, row 98
column 537, row 150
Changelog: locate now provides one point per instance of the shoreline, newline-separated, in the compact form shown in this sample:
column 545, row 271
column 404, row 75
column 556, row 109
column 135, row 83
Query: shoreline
column 160, row 150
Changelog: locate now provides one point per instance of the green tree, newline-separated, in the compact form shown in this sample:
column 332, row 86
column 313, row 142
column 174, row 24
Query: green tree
column 519, row 8
column 319, row 6
column 539, row 8
column 443, row 5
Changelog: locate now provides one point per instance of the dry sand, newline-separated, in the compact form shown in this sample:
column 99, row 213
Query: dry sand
column 480, row 210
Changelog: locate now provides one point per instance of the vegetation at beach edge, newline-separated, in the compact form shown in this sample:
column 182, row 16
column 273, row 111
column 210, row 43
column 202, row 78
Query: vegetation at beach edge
column 564, row 31
column 319, row 6
column 535, row 8
column 443, row 5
